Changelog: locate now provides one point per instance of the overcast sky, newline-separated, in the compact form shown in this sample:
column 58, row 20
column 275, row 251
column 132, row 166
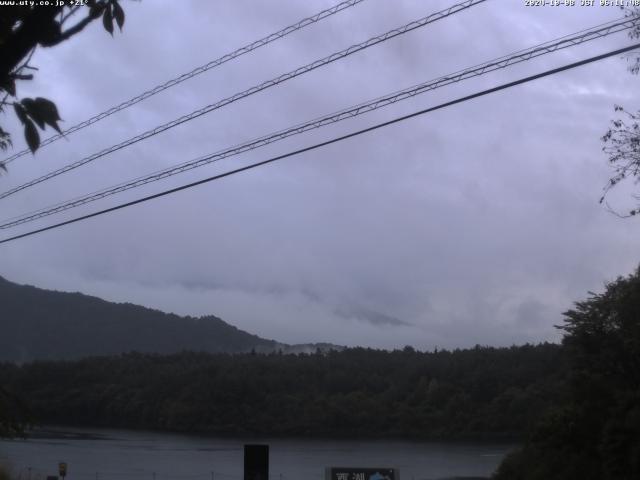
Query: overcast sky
column 476, row 224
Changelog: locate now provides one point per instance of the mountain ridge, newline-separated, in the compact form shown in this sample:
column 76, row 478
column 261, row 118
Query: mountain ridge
column 41, row 324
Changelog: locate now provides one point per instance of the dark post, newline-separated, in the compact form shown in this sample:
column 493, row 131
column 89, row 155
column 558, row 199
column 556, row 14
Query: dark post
column 256, row 462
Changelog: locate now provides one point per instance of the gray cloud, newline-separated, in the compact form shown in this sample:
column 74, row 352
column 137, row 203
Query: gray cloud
column 372, row 317
column 475, row 224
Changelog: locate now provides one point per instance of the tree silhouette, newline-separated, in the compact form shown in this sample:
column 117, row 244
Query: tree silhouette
column 595, row 433
column 23, row 28
column 622, row 140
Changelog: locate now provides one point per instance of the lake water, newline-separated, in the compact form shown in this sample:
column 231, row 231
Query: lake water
column 132, row 455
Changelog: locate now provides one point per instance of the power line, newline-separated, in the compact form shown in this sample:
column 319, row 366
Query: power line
column 258, row 88
column 598, row 31
column 504, row 86
column 196, row 71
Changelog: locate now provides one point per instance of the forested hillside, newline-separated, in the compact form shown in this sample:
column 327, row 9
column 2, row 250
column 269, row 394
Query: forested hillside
column 476, row 393
column 594, row 433
column 42, row 324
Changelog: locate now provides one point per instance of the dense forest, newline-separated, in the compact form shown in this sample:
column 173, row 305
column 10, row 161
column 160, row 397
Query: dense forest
column 492, row 393
column 575, row 407
column 594, row 433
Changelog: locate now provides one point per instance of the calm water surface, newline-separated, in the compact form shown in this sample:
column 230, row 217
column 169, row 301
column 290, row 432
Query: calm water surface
column 126, row 455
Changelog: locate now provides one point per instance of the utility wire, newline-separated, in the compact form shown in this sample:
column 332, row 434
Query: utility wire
column 492, row 65
column 504, row 86
column 258, row 88
column 196, row 71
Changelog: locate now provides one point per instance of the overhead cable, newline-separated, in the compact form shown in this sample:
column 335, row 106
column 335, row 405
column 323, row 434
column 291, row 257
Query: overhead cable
column 481, row 69
column 258, row 88
column 328, row 142
column 196, row 71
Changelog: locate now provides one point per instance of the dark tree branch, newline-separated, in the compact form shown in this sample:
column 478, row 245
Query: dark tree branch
column 69, row 14
column 22, row 29
column 77, row 28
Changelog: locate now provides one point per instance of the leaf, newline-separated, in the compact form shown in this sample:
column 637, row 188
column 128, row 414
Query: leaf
column 32, row 109
column 32, row 136
column 20, row 112
column 48, row 108
column 118, row 14
column 107, row 20
column 42, row 111
column 95, row 9
column 48, row 112
column 5, row 140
